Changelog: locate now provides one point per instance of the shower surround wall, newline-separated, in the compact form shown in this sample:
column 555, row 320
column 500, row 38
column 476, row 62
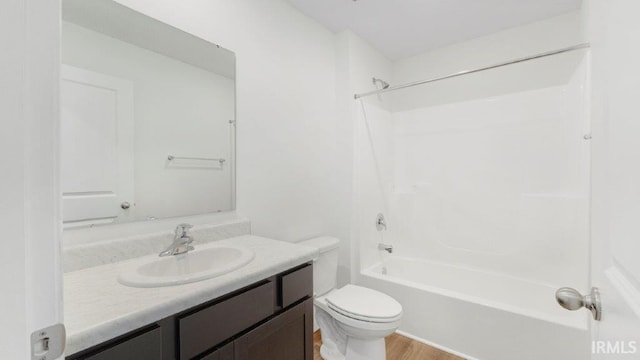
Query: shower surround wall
column 485, row 175
column 499, row 183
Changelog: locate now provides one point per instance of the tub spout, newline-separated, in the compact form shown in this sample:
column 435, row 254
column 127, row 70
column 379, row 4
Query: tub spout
column 386, row 247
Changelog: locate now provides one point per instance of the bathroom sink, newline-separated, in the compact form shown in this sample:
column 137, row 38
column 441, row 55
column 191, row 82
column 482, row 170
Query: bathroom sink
column 197, row 265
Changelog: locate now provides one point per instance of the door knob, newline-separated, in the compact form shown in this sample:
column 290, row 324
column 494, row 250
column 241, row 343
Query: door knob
column 571, row 299
column 125, row 205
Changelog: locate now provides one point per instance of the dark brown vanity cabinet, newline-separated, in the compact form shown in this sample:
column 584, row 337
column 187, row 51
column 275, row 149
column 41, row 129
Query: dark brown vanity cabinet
column 268, row 320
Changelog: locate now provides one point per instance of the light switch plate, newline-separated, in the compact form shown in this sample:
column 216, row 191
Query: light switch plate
column 48, row 343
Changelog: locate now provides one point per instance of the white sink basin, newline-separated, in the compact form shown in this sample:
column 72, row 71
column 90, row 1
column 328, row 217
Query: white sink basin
column 197, row 265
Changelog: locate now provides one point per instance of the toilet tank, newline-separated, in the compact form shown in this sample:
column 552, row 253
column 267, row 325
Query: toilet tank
column 325, row 267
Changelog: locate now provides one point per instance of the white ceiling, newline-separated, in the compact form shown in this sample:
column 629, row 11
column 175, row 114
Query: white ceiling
column 401, row 28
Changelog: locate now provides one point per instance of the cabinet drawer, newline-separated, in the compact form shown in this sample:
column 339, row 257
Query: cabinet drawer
column 296, row 285
column 224, row 353
column 146, row 346
column 210, row 326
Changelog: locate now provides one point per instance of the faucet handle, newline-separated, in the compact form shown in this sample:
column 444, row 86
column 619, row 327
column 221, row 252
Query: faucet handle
column 182, row 229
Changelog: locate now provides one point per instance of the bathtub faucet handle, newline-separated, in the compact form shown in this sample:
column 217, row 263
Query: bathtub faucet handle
column 386, row 247
column 381, row 223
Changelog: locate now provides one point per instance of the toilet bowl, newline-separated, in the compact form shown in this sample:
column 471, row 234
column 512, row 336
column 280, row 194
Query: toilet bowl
column 353, row 320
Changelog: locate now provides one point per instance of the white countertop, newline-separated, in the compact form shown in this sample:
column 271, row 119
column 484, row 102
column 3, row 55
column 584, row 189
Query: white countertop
column 98, row 308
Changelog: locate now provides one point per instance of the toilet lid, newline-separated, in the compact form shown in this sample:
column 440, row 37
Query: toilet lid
column 364, row 304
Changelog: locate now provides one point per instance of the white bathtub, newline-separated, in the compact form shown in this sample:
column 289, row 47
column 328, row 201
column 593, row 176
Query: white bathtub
column 480, row 315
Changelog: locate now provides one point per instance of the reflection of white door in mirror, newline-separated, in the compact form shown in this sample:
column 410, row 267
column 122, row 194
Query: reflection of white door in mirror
column 96, row 147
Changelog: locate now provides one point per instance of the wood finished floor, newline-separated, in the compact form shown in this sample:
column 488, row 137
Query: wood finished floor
column 399, row 348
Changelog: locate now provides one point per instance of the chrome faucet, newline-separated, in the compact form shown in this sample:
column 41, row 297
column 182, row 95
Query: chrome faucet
column 181, row 241
column 386, row 247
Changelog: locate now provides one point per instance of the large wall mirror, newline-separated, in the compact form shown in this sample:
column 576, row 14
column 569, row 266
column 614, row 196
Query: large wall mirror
column 147, row 118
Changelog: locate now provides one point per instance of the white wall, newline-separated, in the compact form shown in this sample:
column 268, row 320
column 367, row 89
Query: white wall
column 180, row 110
column 30, row 268
column 358, row 62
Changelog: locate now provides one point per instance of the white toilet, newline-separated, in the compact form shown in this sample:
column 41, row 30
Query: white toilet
column 353, row 320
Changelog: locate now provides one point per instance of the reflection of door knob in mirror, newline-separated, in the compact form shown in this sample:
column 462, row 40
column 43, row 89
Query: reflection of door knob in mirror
column 125, row 205
column 571, row 299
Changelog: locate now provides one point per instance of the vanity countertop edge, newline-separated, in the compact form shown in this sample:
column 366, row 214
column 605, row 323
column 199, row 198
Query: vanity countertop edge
column 99, row 308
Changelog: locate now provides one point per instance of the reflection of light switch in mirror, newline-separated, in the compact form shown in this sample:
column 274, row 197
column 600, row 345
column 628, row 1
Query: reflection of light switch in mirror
column 161, row 91
column 48, row 343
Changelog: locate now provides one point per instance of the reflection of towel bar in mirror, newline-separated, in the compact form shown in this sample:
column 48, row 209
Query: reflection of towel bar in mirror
column 171, row 158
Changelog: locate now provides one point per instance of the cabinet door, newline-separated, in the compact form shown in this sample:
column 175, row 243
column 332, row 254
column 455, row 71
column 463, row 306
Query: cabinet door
column 205, row 329
column 288, row 336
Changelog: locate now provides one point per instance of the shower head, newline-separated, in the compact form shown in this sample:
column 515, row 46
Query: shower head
column 384, row 84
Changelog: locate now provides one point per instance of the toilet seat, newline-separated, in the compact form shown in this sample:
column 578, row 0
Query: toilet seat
column 357, row 327
column 363, row 304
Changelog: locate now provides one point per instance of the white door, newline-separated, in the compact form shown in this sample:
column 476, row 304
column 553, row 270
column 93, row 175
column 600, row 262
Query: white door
column 30, row 270
column 614, row 30
column 96, row 147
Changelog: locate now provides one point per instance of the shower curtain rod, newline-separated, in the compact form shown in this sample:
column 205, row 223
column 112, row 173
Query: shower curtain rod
column 465, row 72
